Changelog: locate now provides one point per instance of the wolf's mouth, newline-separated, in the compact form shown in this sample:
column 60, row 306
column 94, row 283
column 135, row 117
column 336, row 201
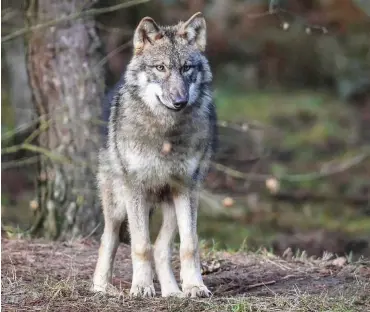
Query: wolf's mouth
column 168, row 107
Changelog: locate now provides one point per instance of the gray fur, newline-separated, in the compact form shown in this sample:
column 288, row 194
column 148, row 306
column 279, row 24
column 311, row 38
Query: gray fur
column 157, row 152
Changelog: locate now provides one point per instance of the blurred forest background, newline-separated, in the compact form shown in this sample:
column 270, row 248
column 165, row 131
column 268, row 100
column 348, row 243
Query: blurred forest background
column 292, row 89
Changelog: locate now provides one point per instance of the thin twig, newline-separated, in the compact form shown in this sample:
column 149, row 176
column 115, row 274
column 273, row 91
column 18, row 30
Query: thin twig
column 275, row 9
column 261, row 284
column 112, row 53
column 37, row 149
column 83, row 14
column 22, row 128
column 279, row 265
column 92, row 232
column 240, row 175
column 19, row 163
column 44, row 125
column 302, row 195
column 322, row 173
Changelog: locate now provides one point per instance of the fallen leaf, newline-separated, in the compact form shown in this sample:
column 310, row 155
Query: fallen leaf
column 272, row 185
column 228, row 202
column 34, row 205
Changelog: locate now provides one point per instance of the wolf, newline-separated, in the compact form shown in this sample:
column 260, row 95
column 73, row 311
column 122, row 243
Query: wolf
column 162, row 135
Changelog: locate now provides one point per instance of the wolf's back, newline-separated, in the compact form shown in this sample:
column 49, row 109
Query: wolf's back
column 107, row 104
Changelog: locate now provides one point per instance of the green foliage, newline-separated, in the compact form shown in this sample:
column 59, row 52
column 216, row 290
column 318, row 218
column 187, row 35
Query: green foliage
column 240, row 307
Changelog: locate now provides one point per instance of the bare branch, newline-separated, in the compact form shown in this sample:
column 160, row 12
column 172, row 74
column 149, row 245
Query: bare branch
column 113, row 52
column 275, row 8
column 19, row 163
column 71, row 17
column 302, row 195
column 323, row 172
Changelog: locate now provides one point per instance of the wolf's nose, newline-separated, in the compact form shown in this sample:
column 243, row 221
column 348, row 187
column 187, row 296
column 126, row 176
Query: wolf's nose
column 180, row 102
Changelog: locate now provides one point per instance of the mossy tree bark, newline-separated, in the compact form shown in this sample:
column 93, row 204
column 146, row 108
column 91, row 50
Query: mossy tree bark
column 67, row 85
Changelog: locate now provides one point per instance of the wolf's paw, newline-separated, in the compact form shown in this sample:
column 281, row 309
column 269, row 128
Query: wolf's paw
column 178, row 294
column 107, row 289
column 194, row 291
column 171, row 290
column 142, row 291
column 99, row 288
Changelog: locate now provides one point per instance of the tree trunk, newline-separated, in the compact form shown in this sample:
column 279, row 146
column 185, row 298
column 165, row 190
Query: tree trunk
column 67, row 85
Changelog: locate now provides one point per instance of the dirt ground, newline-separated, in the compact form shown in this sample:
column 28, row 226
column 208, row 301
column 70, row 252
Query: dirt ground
column 44, row 276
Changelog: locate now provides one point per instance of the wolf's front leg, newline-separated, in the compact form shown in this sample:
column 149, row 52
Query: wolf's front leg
column 163, row 251
column 186, row 205
column 141, row 252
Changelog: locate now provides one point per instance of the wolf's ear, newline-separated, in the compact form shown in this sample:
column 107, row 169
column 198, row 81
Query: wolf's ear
column 194, row 31
column 146, row 33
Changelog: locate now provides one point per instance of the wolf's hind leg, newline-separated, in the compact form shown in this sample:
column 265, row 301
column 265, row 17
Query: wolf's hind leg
column 113, row 219
column 162, row 252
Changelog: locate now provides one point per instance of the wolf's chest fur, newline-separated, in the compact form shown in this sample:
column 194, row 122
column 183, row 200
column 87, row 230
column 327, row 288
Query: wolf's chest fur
column 154, row 168
column 154, row 158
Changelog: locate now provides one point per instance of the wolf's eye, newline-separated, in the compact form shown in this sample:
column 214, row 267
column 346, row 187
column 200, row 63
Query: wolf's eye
column 160, row 68
column 186, row 68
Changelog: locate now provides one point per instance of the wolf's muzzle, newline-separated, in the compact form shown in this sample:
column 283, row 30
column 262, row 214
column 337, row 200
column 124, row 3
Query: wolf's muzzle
column 180, row 103
column 177, row 106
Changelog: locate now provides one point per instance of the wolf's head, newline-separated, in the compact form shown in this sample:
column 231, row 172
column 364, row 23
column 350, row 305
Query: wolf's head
column 168, row 67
